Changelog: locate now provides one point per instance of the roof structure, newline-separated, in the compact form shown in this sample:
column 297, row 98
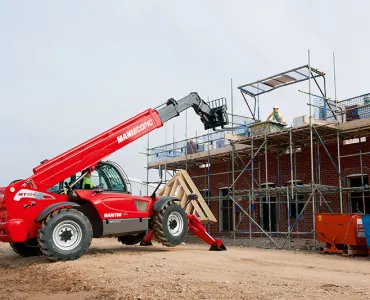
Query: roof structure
column 280, row 80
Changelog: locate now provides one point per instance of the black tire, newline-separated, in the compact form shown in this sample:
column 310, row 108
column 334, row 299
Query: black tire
column 132, row 239
column 65, row 234
column 27, row 249
column 166, row 225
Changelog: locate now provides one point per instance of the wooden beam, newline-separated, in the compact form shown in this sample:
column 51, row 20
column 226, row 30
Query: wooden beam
column 180, row 186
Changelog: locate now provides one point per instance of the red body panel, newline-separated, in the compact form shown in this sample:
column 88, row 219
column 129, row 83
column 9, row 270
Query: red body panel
column 23, row 208
column 3, row 211
column 14, row 230
column 117, row 205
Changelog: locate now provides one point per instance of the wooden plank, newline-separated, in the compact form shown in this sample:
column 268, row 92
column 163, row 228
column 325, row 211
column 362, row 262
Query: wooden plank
column 195, row 213
column 199, row 210
column 235, row 138
column 187, row 192
column 160, row 192
column 200, row 198
column 354, row 124
column 181, row 193
column 167, row 190
column 180, row 186
column 183, row 185
column 193, row 203
column 174, row 187
column 183, row 200
column 188, row 209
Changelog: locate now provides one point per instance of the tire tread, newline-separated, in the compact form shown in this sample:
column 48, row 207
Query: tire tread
column 157, row 226
column 44, row 228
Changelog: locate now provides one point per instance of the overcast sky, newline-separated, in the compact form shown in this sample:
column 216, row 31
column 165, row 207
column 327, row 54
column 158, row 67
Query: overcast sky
column 72, row 69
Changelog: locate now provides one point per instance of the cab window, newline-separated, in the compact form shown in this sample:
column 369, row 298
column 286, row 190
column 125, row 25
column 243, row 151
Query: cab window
column 59, row 186
column 104, row 175
column 54, row 189
column 113, row 180
column 98, row 180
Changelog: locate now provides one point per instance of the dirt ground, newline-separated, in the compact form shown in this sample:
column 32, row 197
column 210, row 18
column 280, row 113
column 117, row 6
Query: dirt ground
column 112, row 271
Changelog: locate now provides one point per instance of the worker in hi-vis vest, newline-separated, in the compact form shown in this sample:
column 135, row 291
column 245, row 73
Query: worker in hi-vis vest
column 275, row 116
column 86, row 182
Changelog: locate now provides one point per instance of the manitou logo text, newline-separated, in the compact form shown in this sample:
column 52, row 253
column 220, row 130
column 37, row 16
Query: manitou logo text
column 134, row 131
column 112, row 215
column 32, row 194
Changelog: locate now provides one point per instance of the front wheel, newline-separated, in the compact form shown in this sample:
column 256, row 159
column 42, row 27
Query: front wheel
column 170, row 225
column 65, row 234
column 27, row 249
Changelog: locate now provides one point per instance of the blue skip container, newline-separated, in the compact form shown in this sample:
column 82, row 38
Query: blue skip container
column 366, row 225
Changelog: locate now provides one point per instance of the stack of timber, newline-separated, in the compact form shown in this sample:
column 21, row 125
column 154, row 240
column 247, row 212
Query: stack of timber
column 181, row 186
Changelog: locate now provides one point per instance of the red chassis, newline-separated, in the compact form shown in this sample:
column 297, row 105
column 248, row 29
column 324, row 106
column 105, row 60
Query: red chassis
column 49, row 213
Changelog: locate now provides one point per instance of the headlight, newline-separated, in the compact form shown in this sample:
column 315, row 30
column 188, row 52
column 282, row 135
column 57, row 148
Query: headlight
column 142, row 205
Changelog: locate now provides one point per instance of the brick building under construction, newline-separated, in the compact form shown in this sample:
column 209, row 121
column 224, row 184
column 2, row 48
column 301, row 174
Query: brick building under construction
column 263, row 178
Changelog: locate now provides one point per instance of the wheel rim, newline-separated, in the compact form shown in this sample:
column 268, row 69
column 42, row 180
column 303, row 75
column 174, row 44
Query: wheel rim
column 67, row 235
column 175, row 223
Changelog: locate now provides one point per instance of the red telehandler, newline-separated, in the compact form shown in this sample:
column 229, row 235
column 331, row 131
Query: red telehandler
column 51, row 214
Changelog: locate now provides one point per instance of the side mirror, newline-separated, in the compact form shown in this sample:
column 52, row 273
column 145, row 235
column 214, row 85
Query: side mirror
column 98, row 189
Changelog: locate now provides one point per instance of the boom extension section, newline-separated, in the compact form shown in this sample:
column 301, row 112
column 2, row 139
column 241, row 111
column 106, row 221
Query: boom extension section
column 211, row 117
column 89, row 153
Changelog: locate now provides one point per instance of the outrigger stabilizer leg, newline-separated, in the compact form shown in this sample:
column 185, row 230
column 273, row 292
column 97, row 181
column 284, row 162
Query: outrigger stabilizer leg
column 147, row 240
column 196, row 227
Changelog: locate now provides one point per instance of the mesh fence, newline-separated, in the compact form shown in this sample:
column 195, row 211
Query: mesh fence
column 345, row 111
column 327, row 110
column 356, row 108
column 213, row 140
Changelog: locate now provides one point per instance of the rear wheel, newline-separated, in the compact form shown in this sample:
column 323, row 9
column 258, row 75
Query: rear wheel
column 170, row 225
column 132, row 239
column 29, row 248
column 65, row 234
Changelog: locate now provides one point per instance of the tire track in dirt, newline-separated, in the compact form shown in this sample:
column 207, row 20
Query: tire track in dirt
column 113, row 271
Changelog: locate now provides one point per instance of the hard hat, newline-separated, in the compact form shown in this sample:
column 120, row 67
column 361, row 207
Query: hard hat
column 276, row 106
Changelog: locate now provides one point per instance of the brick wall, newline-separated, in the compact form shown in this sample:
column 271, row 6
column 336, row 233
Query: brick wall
column 279, row 176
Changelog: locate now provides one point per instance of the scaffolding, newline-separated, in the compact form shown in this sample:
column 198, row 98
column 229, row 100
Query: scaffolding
column 331, row 124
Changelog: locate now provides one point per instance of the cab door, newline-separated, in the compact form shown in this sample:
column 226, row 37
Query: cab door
column 115, row 199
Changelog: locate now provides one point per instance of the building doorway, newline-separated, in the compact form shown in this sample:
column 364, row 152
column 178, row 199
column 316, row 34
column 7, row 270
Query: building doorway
column 226, row 211
column 356, row 199
column 268, row 211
